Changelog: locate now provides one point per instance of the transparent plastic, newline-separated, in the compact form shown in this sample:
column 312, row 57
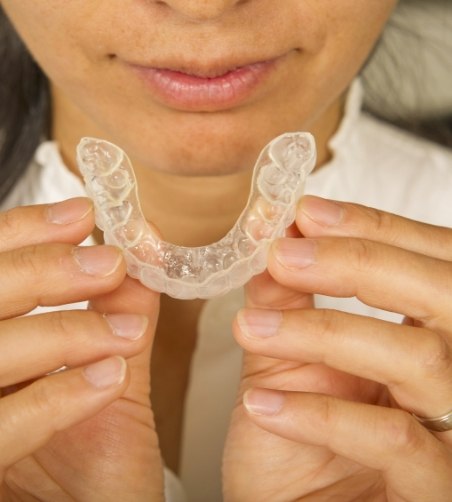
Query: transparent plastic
column 205, row 271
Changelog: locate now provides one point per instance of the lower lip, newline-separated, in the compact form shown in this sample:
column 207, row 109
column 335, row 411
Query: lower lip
column 189, row 92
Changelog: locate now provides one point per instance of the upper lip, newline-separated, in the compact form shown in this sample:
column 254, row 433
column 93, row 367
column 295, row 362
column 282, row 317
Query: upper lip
column 212, row 69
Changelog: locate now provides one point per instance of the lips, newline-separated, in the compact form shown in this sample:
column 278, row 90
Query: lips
column 196, row 88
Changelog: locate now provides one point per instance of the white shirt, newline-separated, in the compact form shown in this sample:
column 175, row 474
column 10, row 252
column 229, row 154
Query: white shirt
column 372, row 164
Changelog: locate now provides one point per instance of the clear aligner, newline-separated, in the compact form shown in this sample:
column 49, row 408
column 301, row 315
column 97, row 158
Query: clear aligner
column 205, row 271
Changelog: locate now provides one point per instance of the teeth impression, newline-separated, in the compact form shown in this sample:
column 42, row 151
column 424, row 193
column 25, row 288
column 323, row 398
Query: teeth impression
column 205, row 271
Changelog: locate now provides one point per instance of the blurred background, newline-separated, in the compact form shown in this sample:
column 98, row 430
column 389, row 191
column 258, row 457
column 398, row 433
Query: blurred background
column 408, row 80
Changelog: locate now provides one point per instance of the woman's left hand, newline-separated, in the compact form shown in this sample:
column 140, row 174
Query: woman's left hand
column 329, row 396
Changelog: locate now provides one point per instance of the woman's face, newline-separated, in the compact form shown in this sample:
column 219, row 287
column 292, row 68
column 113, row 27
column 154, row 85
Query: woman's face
column 197, row 86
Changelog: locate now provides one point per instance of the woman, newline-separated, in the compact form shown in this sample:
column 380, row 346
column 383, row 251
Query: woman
column 192, row 90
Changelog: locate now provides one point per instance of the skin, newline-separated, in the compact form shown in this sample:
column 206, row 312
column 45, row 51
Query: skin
column 96, row 94
column 45, row 435
column 84, row 47
column 342, row 387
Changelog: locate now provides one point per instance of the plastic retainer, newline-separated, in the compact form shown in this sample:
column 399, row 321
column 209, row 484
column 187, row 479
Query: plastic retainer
column 205, row 271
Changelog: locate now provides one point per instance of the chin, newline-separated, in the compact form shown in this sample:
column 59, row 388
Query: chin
column 189, row 144
column 195, row 156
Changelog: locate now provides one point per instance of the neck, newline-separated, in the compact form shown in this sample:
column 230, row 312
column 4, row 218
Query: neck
column 193, row 211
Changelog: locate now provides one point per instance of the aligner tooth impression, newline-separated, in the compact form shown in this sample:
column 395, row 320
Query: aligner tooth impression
column 205, row 271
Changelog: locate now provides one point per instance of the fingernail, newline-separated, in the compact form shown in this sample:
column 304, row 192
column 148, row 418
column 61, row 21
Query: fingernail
column 259, row 322
column 296, row 253
column 322, row 211
column 106, row 373
column 69, row 211
column 263, row 401
column 98, row 261
column 128, row 326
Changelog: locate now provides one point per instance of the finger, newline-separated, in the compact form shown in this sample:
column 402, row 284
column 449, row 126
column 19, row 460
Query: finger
column 414, row 363
column 292, row 231
column 69, row 221
column 414, row 463
column 380, row 275
column 55, row 274
column 264, row 292
column 132, row 297
column 318, row 217
column 68, row 338
column 31, row 416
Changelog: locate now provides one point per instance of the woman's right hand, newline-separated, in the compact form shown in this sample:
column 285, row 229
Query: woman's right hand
column 46, row 452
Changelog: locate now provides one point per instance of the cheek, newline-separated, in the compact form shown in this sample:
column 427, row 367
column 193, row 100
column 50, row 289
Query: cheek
column 353, row 28
column 355, row 25
column 55, row 32
column 39, row 26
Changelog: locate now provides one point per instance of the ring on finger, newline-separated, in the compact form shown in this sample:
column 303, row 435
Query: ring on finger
column 436, row 424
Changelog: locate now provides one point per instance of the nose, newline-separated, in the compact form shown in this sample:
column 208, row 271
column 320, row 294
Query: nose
column 202, row 10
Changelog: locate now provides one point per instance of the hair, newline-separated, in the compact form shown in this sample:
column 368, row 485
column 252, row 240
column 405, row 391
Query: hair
column 25, row 107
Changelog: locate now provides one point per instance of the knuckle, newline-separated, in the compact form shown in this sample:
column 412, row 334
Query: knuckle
column 10, row 223
column 361, row 253
column 27, row 261
column 327, row 324
column 380, row 222
column 75, row 327
column 434, row 356
column 324, row 413
column 46, row 399
column 404, row 435
column 63, row 325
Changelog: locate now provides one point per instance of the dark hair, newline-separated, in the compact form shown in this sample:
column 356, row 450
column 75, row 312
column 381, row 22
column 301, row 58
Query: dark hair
column 24, row 106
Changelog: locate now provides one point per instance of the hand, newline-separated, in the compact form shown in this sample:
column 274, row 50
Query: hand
column 86, row 433
column 329, row 395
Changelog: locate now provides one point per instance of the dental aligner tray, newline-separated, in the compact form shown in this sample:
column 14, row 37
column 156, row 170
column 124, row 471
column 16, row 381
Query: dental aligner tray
column 205, row 271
